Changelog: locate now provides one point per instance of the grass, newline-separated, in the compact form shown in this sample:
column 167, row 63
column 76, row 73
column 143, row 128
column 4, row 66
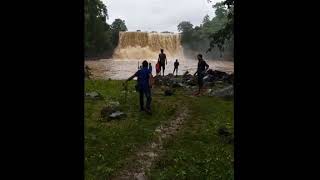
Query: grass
column 197, row 152
column 107, row 144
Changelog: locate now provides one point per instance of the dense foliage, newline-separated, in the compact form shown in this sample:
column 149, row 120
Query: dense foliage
column 212, row 38
column 100, row 37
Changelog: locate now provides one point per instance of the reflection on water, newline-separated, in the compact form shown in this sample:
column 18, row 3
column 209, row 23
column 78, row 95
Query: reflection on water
column 122, row 69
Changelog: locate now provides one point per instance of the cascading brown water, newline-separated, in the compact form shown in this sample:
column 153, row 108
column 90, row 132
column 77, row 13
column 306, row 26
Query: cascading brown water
column 144, row 45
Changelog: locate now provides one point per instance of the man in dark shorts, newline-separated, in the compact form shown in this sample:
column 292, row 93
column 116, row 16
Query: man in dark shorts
column 176, row 65
column 202, row 68
column 143, row 75
column 163, row 61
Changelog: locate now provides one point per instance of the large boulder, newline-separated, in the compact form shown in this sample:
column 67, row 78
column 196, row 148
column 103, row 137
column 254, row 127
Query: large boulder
column 216, row 75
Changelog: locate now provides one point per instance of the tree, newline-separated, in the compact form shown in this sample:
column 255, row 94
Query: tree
column 185, row 26
column 206, row 19
column 199, row 38
column 220, row 11
column 97, row 35
column 226, row 33
column 117, row 26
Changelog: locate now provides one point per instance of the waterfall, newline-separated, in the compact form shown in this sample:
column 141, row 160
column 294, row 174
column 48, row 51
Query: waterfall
column 145, row 45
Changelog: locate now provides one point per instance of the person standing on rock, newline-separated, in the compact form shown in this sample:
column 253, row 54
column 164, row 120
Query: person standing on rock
column 163, row 61
column 176, row 65
column 143, row 75
column 202, row 68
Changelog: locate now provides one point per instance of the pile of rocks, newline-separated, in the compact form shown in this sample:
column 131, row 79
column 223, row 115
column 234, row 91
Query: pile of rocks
column 213, row 76
column 220, row 81
column 187, row 79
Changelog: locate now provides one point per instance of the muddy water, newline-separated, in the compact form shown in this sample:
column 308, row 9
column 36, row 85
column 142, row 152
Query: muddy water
column 122, row 69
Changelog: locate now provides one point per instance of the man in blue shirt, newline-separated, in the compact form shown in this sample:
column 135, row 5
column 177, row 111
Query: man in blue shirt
column 143, row 75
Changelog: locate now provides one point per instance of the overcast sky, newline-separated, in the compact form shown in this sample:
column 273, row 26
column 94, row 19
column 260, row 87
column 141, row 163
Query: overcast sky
column 158, row 15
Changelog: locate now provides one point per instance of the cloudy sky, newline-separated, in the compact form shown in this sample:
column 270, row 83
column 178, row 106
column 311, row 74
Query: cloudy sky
column 158, row 15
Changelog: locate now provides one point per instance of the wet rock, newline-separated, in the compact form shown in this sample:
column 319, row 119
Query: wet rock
column 208, row 78
column 191, row 82
column 210, row 71
column 170, row 75
column 220, row 76
column 185, row 73
column 117, row 115
column 230, row 78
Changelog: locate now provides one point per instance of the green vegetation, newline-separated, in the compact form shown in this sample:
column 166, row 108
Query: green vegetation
column 197, row 152
column 100, row 37
column 213, row 36
column 108, row 144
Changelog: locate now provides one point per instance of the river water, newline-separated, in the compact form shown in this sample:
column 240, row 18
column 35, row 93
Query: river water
column 119, row 69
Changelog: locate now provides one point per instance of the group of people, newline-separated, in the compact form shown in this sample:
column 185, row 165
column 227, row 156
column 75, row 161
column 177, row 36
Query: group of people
column 144, row 75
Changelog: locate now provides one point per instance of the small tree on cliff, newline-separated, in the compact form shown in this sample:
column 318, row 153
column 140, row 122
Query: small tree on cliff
column 117, row 26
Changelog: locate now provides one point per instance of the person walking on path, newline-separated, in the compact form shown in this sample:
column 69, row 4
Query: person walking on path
column 143, row 75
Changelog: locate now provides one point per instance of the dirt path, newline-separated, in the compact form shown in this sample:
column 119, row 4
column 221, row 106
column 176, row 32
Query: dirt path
column 149, row 154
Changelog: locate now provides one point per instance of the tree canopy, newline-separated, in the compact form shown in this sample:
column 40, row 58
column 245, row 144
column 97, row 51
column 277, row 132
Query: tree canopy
column 210, row 36
column 99, row 36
